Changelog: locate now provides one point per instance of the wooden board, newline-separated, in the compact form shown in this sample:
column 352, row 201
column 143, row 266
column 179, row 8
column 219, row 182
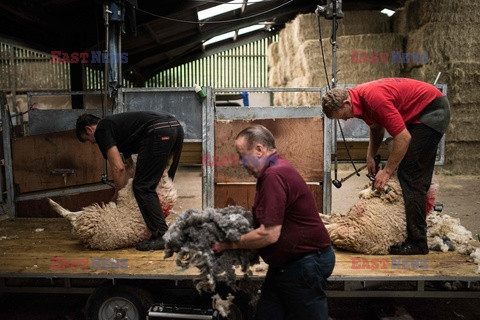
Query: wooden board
column 191, row 153
column 34, row 158
column 300, row 141
column 27, row 253
column 244, row 195
column 358, row 151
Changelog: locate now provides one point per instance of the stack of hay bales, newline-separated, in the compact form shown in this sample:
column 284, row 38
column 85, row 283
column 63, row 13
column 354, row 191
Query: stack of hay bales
column 448, row 31
column 296, row 60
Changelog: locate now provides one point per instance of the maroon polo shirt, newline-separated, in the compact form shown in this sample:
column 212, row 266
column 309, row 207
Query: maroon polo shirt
column 392, row 102
column 283, row 198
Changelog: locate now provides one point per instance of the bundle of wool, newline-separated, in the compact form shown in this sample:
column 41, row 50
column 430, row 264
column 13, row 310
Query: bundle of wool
column 194, row 232
column 374, row 224
column 446, row 232
column 116, row 225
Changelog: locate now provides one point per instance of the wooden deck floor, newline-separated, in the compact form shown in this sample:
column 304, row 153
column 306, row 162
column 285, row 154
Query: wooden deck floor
column 32, row 247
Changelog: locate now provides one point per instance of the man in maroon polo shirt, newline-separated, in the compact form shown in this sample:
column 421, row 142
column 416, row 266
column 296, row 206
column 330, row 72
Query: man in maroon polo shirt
column 416, row 114
column 289, row 234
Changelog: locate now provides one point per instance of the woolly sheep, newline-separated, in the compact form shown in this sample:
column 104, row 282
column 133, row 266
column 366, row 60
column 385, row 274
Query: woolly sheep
column 375, row 223
column 112, row 226
column 378, row 221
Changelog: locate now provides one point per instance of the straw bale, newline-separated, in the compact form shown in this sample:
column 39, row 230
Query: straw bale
column 399, row 21
column 463, row 121
column 445, row 42
column 272, row 54
column 421, row 12
column 349, row 72
column 462, row 79
column 304, row 68
column 462, row 157
column 305, row 26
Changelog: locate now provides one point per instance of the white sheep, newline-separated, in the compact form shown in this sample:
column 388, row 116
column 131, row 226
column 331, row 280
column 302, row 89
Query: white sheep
column 378, row 221
column 112, row 226
column 375, row 223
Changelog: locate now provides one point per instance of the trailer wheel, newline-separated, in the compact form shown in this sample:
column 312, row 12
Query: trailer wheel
column 234, row 314
column 118, row 303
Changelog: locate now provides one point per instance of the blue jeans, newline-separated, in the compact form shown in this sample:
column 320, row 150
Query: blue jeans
column 297, row 290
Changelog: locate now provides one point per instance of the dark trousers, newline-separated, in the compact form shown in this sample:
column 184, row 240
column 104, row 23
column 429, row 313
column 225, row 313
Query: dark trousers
column 155, row 150
column 415, row 176
column 297, row 291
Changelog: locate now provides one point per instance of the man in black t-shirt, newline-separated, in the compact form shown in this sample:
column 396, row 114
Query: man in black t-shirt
column 154, row 137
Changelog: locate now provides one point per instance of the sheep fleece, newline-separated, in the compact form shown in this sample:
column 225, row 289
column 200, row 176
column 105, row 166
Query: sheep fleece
column 192, row 235
column 375, row 223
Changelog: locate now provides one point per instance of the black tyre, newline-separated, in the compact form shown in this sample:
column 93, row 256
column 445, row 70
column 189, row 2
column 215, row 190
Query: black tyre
column 118, row 302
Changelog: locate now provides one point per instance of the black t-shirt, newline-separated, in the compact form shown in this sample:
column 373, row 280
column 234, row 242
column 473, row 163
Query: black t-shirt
column 126, row 130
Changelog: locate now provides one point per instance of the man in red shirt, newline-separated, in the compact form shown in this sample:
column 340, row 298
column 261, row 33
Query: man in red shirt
column 416, row 114
column 289, row 233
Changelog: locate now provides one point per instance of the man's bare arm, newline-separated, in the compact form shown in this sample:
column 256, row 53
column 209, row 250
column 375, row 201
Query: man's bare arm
column 400, row 146
column 255, row 239
column 376, row 137
column 118, row 169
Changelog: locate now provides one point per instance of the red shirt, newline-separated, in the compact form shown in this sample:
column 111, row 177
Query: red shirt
column 392, row 102
column 283, row 198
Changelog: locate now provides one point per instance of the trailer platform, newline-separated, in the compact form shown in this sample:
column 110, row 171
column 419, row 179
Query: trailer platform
column 44, row 248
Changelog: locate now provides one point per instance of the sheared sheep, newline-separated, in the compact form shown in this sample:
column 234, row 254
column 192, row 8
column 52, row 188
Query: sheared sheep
column 192, row 235
column 112, row 226
column 375, row 223
column 378, row 221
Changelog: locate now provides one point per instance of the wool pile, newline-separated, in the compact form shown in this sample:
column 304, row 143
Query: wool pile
column 194, row 232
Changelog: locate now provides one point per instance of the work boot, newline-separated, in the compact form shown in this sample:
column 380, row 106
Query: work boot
column 407, row 248
column 152, row 244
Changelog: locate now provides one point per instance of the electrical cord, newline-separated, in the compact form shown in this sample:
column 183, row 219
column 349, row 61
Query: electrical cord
column 335, row 181
column 212, row 22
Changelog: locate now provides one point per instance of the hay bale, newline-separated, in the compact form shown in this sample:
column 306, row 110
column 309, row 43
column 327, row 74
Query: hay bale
column 464, row 119
column 305, row 68
column 272, row 54
column 421, row 12
column 462, row 79
column 347, row 72
column 462, row 157
column 445, row 43
column 305, row 26
column 399, row 21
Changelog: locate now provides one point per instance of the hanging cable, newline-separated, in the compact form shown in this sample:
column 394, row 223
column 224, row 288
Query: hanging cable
column 337, row 183
column 212, row 22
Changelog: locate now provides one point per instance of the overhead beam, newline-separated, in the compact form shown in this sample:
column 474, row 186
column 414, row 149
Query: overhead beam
column 223, row 28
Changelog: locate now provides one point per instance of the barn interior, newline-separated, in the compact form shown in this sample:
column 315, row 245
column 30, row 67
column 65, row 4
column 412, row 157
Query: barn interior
column 257, row 62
